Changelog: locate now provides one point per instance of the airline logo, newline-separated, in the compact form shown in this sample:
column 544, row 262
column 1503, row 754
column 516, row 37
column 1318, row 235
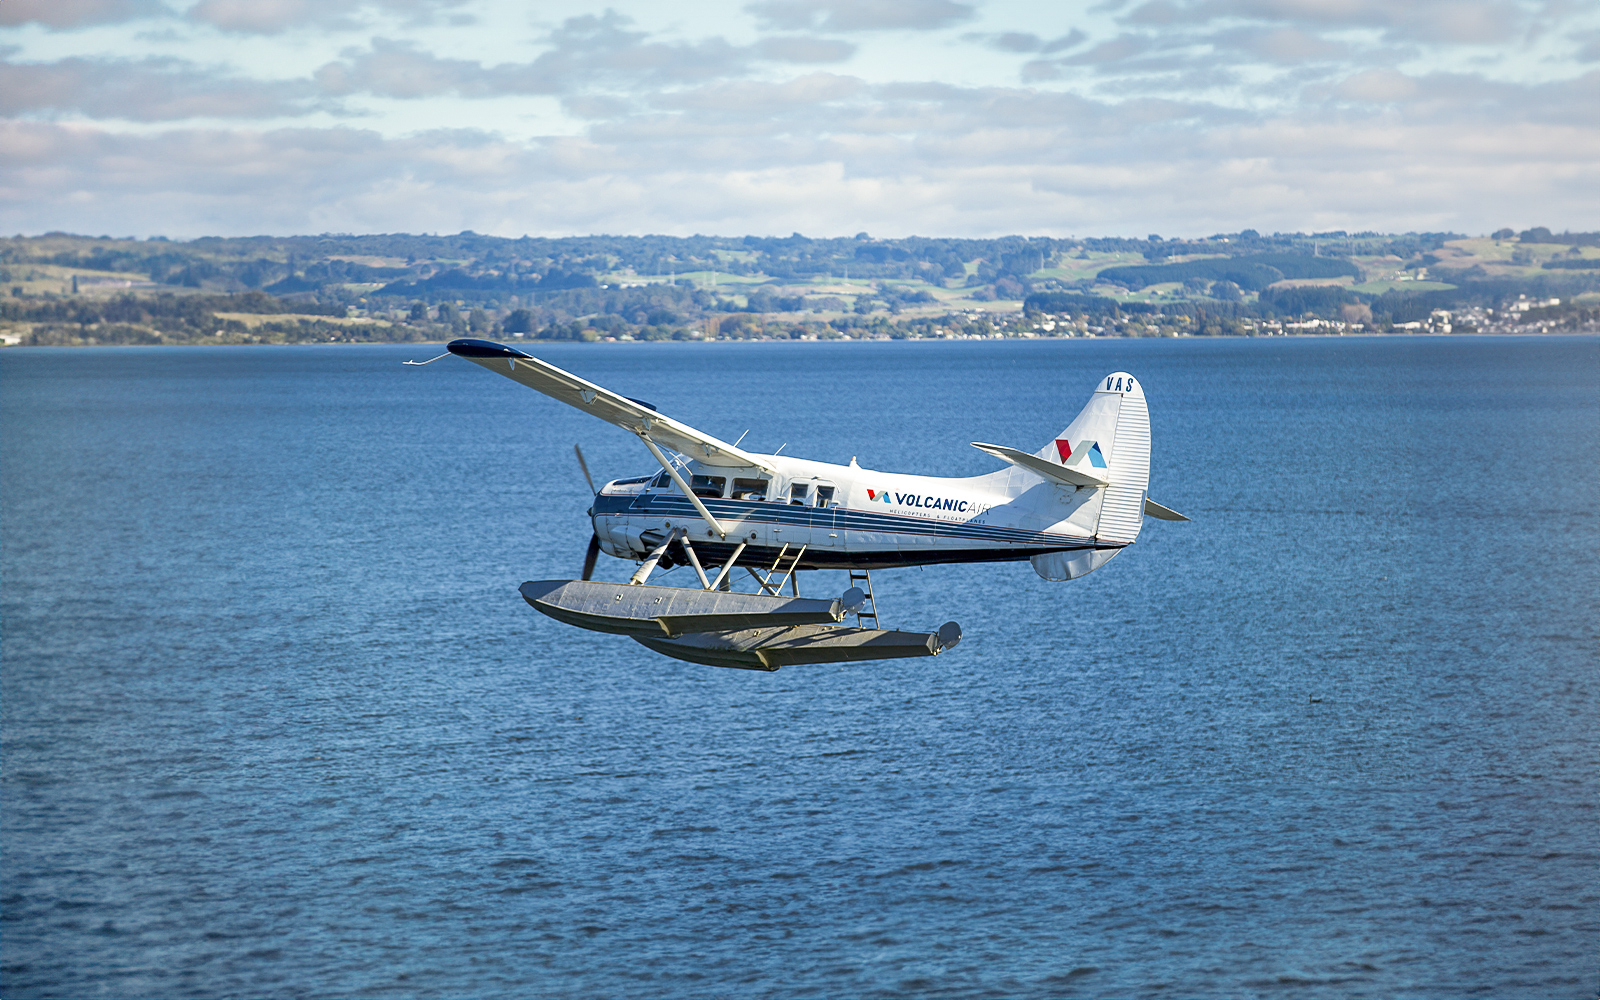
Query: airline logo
column 1096, row 457
column 926, row 502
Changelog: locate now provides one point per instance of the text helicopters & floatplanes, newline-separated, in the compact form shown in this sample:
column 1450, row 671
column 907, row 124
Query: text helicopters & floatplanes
column 1068, row 508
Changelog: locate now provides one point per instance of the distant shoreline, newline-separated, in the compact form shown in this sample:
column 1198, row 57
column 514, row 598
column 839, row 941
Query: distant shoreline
column 67, row 290
column 1407, row 335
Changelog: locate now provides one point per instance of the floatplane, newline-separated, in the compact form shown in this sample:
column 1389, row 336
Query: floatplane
column 1068, row 508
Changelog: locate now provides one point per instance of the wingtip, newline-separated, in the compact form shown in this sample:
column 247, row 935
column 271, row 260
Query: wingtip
column 469, row 348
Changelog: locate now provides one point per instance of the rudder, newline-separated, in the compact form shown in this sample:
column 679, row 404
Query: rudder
column 1122, row 511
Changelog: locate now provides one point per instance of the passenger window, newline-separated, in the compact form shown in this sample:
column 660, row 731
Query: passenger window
column 707, row 486
column 749, row 489
column 797, row 493
column 824, row 496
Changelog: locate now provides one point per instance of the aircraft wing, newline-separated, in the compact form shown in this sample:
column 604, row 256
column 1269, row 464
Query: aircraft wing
column 629, row 414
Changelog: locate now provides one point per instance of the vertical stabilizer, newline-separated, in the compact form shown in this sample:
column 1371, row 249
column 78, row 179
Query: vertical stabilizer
column 1109, row 438
column 1122, row 511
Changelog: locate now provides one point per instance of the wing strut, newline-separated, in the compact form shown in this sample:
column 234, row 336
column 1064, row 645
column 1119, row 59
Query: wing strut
column 723, row 573
column 715, row 524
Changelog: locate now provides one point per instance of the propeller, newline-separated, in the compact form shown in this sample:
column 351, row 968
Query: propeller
column 593, row 552
column 584, row 466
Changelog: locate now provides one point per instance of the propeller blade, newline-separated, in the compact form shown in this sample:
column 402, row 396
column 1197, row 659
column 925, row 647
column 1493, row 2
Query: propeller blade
column 590, row 556
column 585, row 467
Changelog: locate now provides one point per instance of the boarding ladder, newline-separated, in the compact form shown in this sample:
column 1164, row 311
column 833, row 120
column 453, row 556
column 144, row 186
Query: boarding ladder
column 767, row 586
column 869, row 607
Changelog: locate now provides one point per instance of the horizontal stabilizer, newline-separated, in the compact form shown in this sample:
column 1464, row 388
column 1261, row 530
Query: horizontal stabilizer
column 1164, row 513
column 1049, row 470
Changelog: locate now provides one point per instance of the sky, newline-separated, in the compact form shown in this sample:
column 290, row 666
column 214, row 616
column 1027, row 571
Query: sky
column 976, row 118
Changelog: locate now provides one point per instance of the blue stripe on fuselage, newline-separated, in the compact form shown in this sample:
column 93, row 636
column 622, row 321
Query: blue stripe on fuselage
column 845, row 518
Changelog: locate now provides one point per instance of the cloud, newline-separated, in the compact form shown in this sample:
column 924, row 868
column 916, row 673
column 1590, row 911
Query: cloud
column 64, row 15
column 402, row 70
column 1010, row 41
column 1020, row 41
column 1191, row 116
column 146, row 90
column 1468, row 101
column 1377, row 86
column 1119, row 49
column 1290, row 46
column 1172, row 48
column 1458, row 21
column 267, row 17
column 749, row 97
column 594, row 52
column 979, row 167
column 859, row 15
column 590, row 53
column 596, row 106
column 804, row 49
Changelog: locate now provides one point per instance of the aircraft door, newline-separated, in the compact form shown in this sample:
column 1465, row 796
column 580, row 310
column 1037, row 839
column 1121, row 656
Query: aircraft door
column 817, row 496
column 794, row 520
column 824, row 530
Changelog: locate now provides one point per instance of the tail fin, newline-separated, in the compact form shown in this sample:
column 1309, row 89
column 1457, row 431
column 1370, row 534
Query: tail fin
column 1111, row 438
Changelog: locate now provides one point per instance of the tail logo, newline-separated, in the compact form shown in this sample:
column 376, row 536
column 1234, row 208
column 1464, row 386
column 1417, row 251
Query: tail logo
column 1097, row 458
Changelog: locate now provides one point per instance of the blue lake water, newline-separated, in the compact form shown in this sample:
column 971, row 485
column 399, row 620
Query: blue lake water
column 277, row 723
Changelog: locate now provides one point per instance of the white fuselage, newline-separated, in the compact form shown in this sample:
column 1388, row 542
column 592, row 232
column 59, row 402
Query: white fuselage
column 847, row 516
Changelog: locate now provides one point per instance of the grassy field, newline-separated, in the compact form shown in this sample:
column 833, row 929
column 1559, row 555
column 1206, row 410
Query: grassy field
column 1400, row 285
column 253, row 320
column 54, row 279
